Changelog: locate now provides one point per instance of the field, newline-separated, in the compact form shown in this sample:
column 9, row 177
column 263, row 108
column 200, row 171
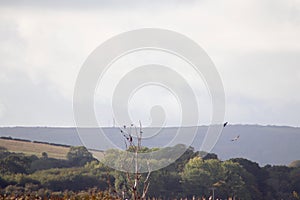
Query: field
column 30, row 148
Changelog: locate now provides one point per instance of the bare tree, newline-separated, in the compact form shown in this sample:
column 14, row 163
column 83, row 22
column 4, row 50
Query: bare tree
column 133, row 144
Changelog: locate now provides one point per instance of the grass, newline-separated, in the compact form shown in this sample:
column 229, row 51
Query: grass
column 30, row 148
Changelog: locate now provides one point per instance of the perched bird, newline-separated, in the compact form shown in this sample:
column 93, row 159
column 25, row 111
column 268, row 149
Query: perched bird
column 130, row 138
column 236, row 138
column 225, row 124
column 127, row 138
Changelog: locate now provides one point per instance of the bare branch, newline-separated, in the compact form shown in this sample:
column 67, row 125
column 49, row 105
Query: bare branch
column 135, row 178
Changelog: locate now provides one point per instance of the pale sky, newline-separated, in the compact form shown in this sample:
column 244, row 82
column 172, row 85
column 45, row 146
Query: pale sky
column 254, row 44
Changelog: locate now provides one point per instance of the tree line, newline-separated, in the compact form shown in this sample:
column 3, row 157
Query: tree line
column 191, row 176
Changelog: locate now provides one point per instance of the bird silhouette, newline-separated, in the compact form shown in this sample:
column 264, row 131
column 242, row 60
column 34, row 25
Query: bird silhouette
column 130, row 138
column 127, row 138
column 236, row 138
column 225, row 124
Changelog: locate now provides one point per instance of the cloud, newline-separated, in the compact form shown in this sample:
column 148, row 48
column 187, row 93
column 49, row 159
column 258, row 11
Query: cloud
column 95, row 4
column 28, row 103
column 254, row 44
column 2, row 109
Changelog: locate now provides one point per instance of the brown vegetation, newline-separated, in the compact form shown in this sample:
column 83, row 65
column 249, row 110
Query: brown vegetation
column 30, row 148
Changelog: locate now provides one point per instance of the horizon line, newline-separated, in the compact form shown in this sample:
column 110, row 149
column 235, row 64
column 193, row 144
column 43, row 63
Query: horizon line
column 204, row 125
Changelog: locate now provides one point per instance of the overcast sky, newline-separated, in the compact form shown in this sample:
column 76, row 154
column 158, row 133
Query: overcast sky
column 254, row 44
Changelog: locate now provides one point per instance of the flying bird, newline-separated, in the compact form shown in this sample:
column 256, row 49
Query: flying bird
column 236, row 138
column 225, row 124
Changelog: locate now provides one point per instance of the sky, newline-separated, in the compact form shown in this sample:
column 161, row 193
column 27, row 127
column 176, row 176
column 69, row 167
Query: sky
column 254, row 44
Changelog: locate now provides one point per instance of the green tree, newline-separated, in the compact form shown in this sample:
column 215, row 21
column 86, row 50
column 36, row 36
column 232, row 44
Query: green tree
column 295, row 180
column 254, row 179
column 79, row 156
column 198, row 176
column 165, row 184
column 235, row 180
column 278, row 182
column 15, row 163
column 228, row 177
column 44, row 155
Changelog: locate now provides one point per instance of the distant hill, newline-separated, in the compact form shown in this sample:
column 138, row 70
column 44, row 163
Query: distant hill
column 30, row 148
column 275, row 145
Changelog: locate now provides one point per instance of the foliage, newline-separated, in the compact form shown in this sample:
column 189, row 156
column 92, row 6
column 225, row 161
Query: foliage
column 79, row 156
column 15, row 162
column 191, row 175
